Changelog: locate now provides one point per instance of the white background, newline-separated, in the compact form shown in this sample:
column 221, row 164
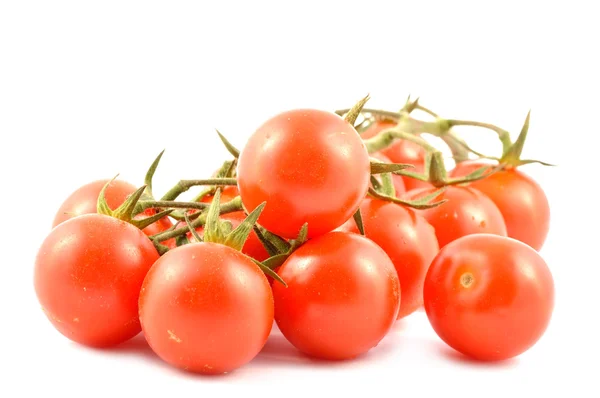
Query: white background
column 92, row 89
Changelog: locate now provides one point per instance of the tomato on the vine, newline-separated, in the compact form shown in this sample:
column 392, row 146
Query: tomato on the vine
column 521, row 201
column 489, row 297
column 310, row 166
column 342, row 298
column 401, row 151
column 408, row 240
column 84, row 200
column 467, row 211
column 88, row 275
column 205, row 307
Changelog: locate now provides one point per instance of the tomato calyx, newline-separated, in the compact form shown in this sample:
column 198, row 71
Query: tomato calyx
column 512, row 156
column 229, row 146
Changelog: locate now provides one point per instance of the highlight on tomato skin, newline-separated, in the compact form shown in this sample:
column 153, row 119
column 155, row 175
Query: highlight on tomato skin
column 407, row 238
column 206, row 308
column 489, row 297
column 87, row 277
column 467, row 211
column 342, row 298
column 520, row 199
column 309, row 166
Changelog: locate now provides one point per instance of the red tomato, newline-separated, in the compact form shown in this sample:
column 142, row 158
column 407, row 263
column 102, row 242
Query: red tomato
column 88, row 274
column 401, row 151
column 467, row 211
column 206, row 308
column 489, row 297
column 84, row 201
column 520, row 199
column 407, row 239
column 342, row 298
column 396, row 179
column 309, row 166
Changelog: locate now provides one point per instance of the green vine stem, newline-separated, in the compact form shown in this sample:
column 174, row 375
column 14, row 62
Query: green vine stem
column 387, row 137
column 228, row 207
column 183, row 185
column 148, row 204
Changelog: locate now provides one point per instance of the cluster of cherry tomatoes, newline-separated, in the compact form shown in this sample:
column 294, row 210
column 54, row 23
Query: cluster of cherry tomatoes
column 332, row 225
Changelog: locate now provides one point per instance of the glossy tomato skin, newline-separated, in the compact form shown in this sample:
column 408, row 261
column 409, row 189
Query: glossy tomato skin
column 407, row 238
column 489, row 297
column 342, row 298
column 84, row 200
column 521, row 201
column 88, row 275
column 466, row 212
column 309, row 166
column 397, row 180
column 206, row 308
column 401, row 151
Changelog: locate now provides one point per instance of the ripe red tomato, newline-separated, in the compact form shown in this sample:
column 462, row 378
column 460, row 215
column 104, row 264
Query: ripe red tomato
column 521, row 201
column 342, row 298
column 401, row 151
column 396, row 179
column 489, row 297
column 467, row 211
column 408, row 240
column 206, row 308
column 88, row 275
column 85, row 199
column 309, row 166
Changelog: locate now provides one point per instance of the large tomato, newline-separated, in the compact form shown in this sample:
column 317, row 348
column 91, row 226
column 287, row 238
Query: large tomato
column 84, row 200
column 88, row 275
column 401, row 151
column 309, row 166
column 489, row 297
column 408, row 240
column 342, row 298
column 521, row 201
column 206, row 308
column 466, row 212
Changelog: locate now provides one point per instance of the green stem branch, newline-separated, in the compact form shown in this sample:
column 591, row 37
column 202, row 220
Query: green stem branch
column 183, row 185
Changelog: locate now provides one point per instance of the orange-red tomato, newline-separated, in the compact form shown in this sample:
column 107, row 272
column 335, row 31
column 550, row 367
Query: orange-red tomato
column 408, row 240
column 207, row 308
column 521, row 201
column 466, row 212
column 489, row 297
column 88, row 274
column 309, row 166
column 401, row 151
column 342, row 298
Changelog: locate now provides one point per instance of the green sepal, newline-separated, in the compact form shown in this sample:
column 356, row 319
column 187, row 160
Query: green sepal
column 146, row 221
column 230, row 148
column 212, row 228
column 271, row 242
column 382, row 167
column 238, row 236
column 268, row 271
column 420, row 204
column 182, row 240
column 355, row 111
column 150, row 174
column 275, row 261
column 192, row 229
column 359, row 222
column 300, row 239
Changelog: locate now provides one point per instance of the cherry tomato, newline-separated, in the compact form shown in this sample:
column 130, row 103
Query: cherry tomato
column 396, row 179
column 206, row 308
column 401, row 151
column 489, row 297
column 88, row 275
column 342, row 298
column 84, row 201
column 520, row 199
column 408, row 240
column 309, row 166
column 467, row 211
